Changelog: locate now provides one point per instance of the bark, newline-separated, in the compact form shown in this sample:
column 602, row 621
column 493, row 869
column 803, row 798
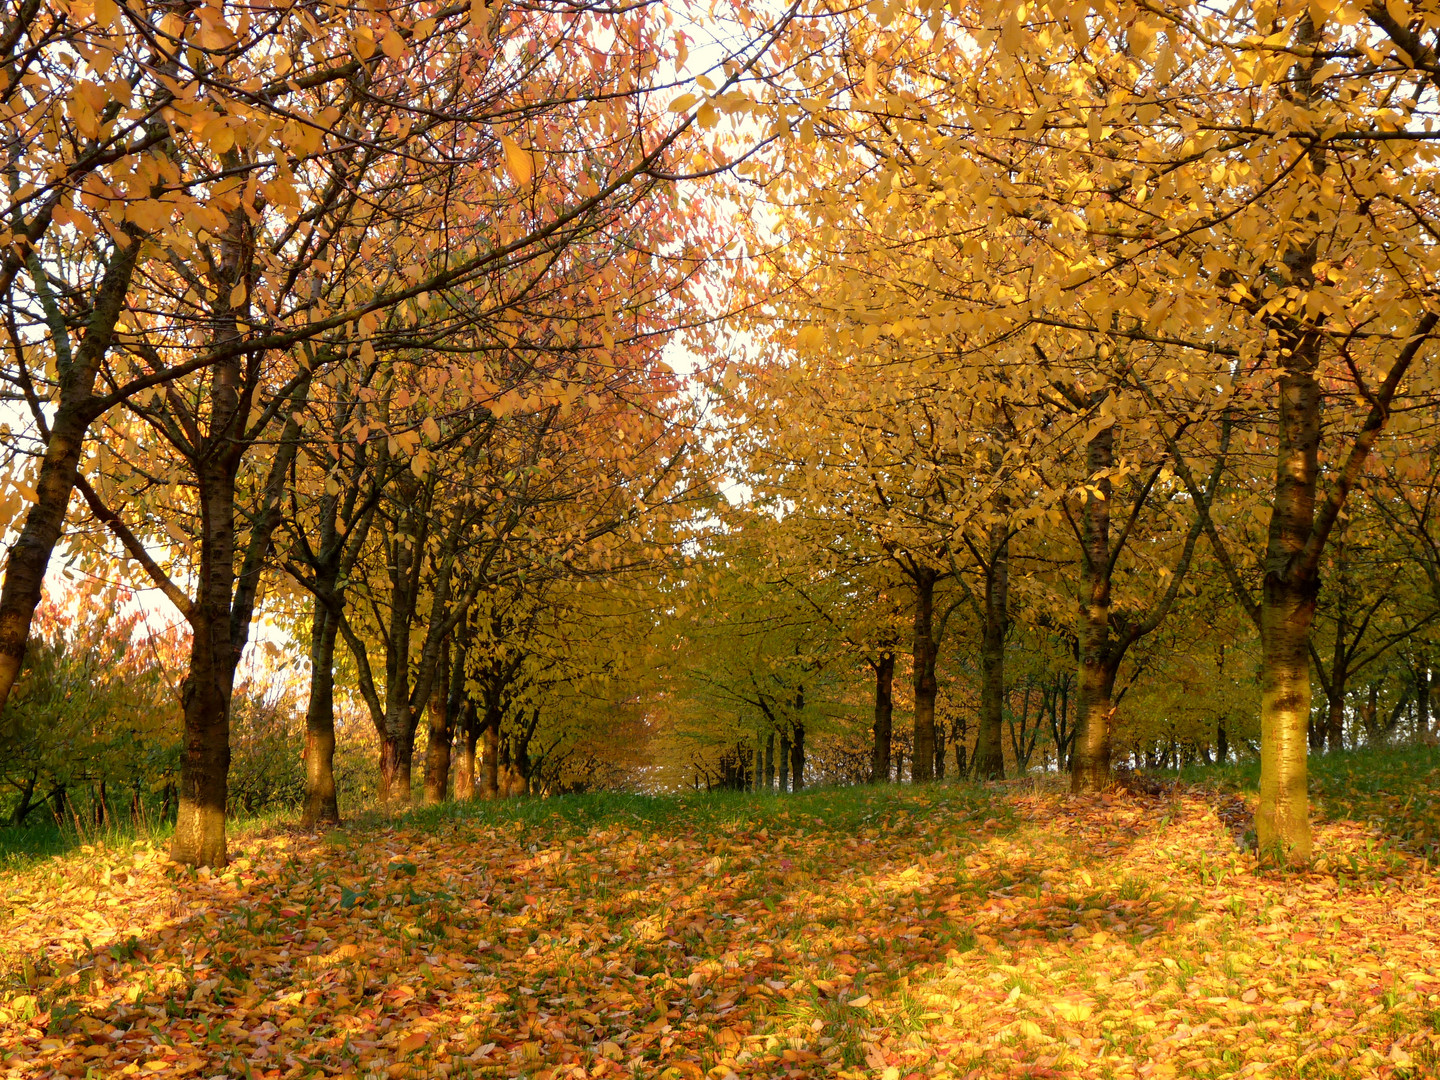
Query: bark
column 29, row 556
column 770, row 760
column 27, row 793
column 989, row 760
column 1287, row 612
column 922, row 754
column 490, row 784
column 205, row 757
column 320, row 801
column 784, row 761
column 1090, row 758
column 1422, row 699
column 397, row 760
column 1335, row 722
column 1294, row 543
column 437, row 745
column 465, row 760
column 884, row 717
column 797, row 758
column 1222, row 742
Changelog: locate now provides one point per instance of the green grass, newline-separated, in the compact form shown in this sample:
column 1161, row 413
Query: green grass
column 829, row 809
column 41, row 839
column 1395, row 788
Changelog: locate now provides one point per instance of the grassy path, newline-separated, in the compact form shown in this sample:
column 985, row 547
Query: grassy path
column 865, row 933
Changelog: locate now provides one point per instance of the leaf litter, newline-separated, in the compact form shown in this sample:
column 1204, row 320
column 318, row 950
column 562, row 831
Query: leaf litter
column 941, row 932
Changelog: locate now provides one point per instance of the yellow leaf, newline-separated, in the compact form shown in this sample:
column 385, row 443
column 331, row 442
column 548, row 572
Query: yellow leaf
column 1011, row 35
column 859, row 1002
column 1030, row 1030
column 431, row 429
column 105, row 12
column 683, row 102
column 518, row 161
column 393, row 44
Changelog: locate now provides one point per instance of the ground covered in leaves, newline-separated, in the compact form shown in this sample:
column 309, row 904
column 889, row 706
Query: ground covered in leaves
column 950, row 931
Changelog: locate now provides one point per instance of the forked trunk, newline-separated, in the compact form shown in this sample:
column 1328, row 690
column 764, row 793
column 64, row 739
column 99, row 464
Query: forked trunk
column 1291, row 583
column 29, row 555
column 320, row 802
column 922, row 756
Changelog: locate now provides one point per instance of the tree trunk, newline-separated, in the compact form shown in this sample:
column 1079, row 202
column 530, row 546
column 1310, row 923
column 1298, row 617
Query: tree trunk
column 29, row 556
column 1422, row 699
column 490, row 789
column 465, row 764
column 989, row 761
column 1282, row 822
column 1090, row 757
column 205, row 756
column 884, row 714
column 797, row 758
column 784, row 761
column 922, row 754
column 1222, row 742
column 215, row 645
column 320, row 801
column 395, row 773
column 27, row 793
column 1335, row 721
column 438, row 741
column 770, row 760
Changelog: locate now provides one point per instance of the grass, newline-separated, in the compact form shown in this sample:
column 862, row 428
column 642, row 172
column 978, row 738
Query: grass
column 1396, row 789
